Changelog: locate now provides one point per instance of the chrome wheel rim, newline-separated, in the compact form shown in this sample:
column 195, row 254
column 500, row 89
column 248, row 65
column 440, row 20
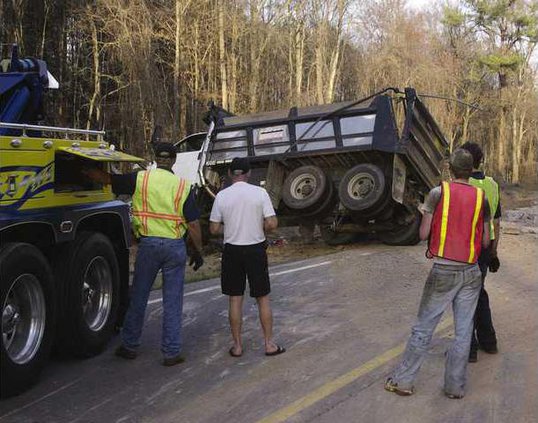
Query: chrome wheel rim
column 97, row 293
column 23, row 319
column 360, row 186
column 303, row 186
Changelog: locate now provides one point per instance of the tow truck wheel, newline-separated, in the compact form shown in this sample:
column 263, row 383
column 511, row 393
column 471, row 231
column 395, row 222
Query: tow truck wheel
column 362, row 187
column 28, row 312
column 92, row 281
column 304, row 188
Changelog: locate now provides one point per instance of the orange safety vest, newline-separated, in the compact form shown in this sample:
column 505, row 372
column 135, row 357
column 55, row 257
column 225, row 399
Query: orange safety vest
column 158, row 204
column 458, row 223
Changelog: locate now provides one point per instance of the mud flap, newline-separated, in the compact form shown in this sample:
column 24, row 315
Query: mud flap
column 398, row 179
column 274, row 181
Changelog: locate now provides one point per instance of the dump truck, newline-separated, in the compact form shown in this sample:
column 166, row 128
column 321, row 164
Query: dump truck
column 64, row 250
column 359, row 167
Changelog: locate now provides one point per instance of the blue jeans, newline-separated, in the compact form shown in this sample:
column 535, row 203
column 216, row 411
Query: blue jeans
column 153, row 255
column 459, row 285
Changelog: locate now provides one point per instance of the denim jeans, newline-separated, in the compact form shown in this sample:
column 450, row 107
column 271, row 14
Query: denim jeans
column 153, row 255
column 456, row 285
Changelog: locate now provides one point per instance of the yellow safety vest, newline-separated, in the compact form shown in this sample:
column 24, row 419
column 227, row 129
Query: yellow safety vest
column 158, row 204
column 491, row 189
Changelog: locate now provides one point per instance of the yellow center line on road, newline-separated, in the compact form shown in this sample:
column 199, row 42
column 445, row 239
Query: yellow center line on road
column 334, row 385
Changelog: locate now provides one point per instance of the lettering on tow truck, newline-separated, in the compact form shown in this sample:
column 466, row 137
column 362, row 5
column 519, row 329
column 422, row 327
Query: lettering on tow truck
column 20, row 183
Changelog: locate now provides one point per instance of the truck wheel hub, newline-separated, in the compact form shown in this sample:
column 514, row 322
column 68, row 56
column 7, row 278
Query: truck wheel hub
column 97, row 293
column 361, row 185
column 303, row 186
column 23, row 319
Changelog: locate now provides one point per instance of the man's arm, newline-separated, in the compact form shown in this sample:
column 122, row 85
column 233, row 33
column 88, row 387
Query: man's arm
column 495, row 242
column 270, row 224
column 195, row 235
column 97, row 175
column 215, row 219
column 425, row 226
column 121, row 184
column 215, row 228
column 485, row 236
column 427, row 209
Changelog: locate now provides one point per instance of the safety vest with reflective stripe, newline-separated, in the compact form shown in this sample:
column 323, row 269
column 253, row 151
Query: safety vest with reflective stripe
column 158, row 204
column 458, row 223
column 491, row 189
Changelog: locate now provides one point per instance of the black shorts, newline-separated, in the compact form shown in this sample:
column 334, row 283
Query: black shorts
column 240, row 262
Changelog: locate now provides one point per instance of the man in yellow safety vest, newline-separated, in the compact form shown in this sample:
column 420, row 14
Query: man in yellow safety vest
column 164, row 210
column 484, row 333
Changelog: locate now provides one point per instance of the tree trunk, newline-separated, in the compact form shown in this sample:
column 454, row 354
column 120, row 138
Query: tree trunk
column 222, row 57
column 177, row 70
column 96, row 79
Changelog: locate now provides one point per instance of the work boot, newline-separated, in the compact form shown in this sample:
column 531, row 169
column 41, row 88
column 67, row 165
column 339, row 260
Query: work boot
column 490, row 348
column 473, row 356
column 172, row 361
column 126, row 353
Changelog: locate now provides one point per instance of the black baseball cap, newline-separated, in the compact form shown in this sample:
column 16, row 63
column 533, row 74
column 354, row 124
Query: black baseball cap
column 239, row 165
column 165, row 150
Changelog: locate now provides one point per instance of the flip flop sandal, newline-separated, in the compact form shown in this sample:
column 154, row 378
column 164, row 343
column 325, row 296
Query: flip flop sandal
column 231, row 351
column 279, row 350
column 393, row 387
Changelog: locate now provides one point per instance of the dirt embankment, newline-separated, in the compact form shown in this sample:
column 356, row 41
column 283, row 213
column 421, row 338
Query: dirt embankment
column 520, row 210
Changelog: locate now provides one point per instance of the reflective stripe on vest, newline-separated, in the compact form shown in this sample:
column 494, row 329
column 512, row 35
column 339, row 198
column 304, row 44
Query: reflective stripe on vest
column 457, row 224
column 158, row 204
column 491, row 188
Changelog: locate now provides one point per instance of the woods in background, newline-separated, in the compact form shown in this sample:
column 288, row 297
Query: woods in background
column 127, row 65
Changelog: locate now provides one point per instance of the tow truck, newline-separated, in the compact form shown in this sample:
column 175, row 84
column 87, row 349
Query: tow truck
column 64, row 250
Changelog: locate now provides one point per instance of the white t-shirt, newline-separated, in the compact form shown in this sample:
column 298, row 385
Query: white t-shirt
column 242, row 208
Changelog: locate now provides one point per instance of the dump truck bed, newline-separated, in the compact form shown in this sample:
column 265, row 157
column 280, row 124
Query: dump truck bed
column 336, row 129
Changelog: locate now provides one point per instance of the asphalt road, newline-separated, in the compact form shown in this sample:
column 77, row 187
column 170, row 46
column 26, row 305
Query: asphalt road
column 344, row 319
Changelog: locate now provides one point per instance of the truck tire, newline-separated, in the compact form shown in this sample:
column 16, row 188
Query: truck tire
column 90, row 275
column 362, row 187
column 28, row 314
column 304, row 188
column 403, row 234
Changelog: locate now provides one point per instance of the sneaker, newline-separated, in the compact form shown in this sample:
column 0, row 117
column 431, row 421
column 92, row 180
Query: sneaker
column 126, row 353
column 172, row 361
column 453, row 396
column 473, row 356
column 393, row 387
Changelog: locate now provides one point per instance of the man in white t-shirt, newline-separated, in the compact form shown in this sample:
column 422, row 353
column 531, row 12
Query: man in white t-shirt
column 244, row 213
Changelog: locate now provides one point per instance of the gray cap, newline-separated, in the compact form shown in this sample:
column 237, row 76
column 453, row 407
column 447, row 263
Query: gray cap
column 461, row 159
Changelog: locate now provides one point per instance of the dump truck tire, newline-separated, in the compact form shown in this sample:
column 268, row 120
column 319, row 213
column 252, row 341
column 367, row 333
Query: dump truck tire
column 407, row 234
column 28, row 316
column 334, row 238
column 305, row 188
column 89, row 272
column 362, row 187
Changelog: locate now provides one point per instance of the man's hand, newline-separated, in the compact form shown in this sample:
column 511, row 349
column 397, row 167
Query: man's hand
column 494, row 264
column 96, row 175
column 196, row 260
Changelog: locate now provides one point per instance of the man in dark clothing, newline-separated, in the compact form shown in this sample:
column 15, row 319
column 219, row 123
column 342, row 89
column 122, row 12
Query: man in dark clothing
column 484, row 333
